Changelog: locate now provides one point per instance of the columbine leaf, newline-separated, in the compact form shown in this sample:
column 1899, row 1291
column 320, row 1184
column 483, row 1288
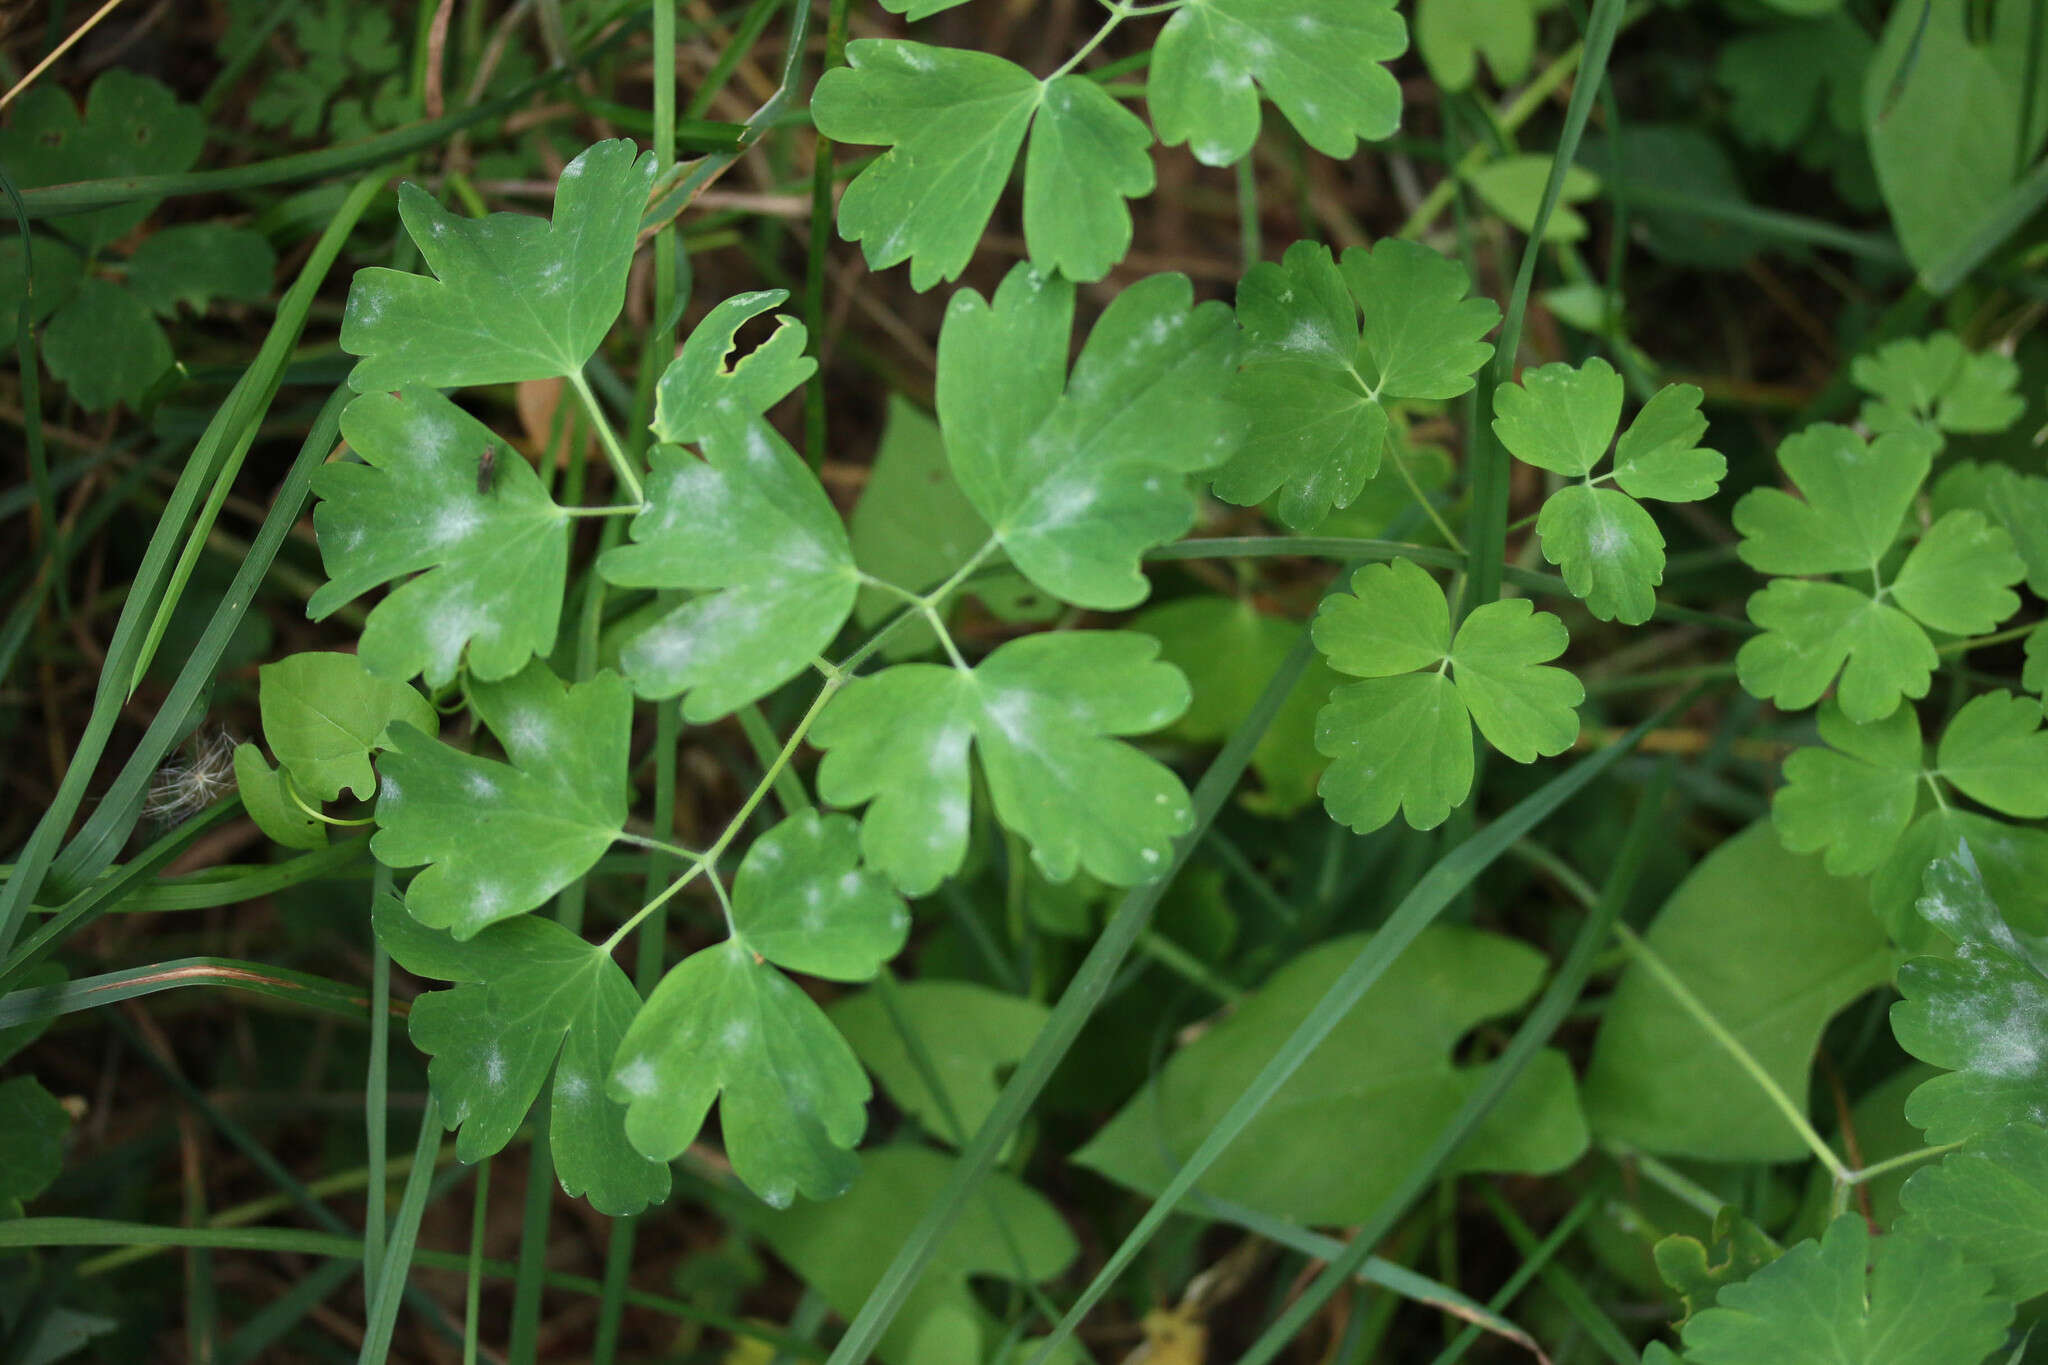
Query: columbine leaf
column 1319, row 61
column 33, row 1126
column 953, row 121
column 2007, row 498
column 503, row 837
column 1078, row 477
column 725, row 1026
column 1855, row 799
column 1606, row 543
column 700, row 391
column 1934, row 381
column 1453, row 34
column 530, row 997
column 1383, row 1082
column 1313, row 391
column 1813, row 631
column 2035, row 676
column 750, row 529
column 1042, row 712
column 1981, row 1015
column 1855, row 498
column 195, row 263
column 1990, row 1202
column 1840, row 1301
column 132, row 126
column 104, row 346
column 1955, row 578
column 270, row 806
column 802, row 901
column 513, row 296
column 323, row 715
column 491, row 562
column 1402, row 740
column 970, row 1036
column 1997, row 753
column 1698, row 1271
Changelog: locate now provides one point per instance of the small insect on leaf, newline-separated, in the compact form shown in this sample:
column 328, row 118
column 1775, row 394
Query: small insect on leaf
column 486, row 469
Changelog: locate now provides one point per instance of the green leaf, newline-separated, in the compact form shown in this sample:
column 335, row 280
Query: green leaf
column 702, row 391
column 1319, row 61
column 269, row 804
column 1813, row 631
column 104, row 346
column 530, row 997
column 33, row 1126
column 2007, row 498
column 1698, row 1271
column 723, row 1025
column 2035, row 677
column 1782, row 79
column 513, row 296
column 132, row 126
column 1855, row 499
column 1996, row 752
column 324, row 714
column 1773, row 947
column 1512, row 187
column 970, row 1035
column 1402, row 740
column 1955, row 579
column 2012, row 858
column 1453, row 34
column 1852, row 801
column 1229, row 650
column 751, row 531
column 1843, row 1301
column 1008, row 1232
column 58, row 271
column 1078, row 477
column 1934, row 381
column 1951, row 104
column 501, row 838
column 1383, row 1082
column 802, row 901
column 1990, row 1202
column 491, row 559
column 1313, row 391
column 1563, row 419
column 954, row 121
column 1042, row 711
column 195, row 263
column 1981, row 1015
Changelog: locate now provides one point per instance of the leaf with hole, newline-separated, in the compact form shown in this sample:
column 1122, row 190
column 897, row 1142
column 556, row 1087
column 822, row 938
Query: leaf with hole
column 500, row 838
column 1044, row 713
column 703, row 390
column 512, row 296
column 529, row 998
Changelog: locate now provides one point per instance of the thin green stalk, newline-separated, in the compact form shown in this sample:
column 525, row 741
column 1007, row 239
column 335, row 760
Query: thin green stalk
column 819, row 247
column 377, row 1094
column 1531, row 1266
column 405, row 1229
column 472, row 1293
column 621, row 465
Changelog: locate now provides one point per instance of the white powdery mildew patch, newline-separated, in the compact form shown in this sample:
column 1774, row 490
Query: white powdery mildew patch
column 637, row 1077
column 735, row 1036
column 452, row 524
column 527, row 729
column 480, row 785
column 1010, row 712
column 572, row 1086
column 388, row 793
column 494, row 1068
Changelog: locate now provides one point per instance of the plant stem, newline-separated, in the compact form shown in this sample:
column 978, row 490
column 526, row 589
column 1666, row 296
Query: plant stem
column 612, row 449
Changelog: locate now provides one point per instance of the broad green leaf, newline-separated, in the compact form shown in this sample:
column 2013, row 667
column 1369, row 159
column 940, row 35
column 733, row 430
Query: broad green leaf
column 1006, row 1232
column 2007, row 498
column 1382, row 1083
column 1453, row 34
column 1852, row 801
column 104, row 346
column 1953, row 110
column 195, row 263
column 1043, row 713
column 1313, row 392
column 1512, row 187
column 702, row 391
column 2012, row 858
column 512, row 296
column 530, row 997
column 269, row 804
column 1933, row 380
column 1077, row 477
column 132, row 126
column 1843, row 1301
column 954, row 121
column 1563, row 419
column 501, row 838
column 1319, row 61
column 802, row 900
column 2035, row 678
column 1981, row 1015
column 969, row 1035
column 491, row 558
column 1854, row 498
column 1773, row 947
column 1955, row 578
column 33, row 1126
column 1813, row 631
column 1990, row 1202
column 1784, row 78
column 1996, row 752
column 919, row 9
column 58, row 269
column 724, row 1025
column 323, row 715
column 1402, row 740
column 749, row 528
column 1229, row 650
